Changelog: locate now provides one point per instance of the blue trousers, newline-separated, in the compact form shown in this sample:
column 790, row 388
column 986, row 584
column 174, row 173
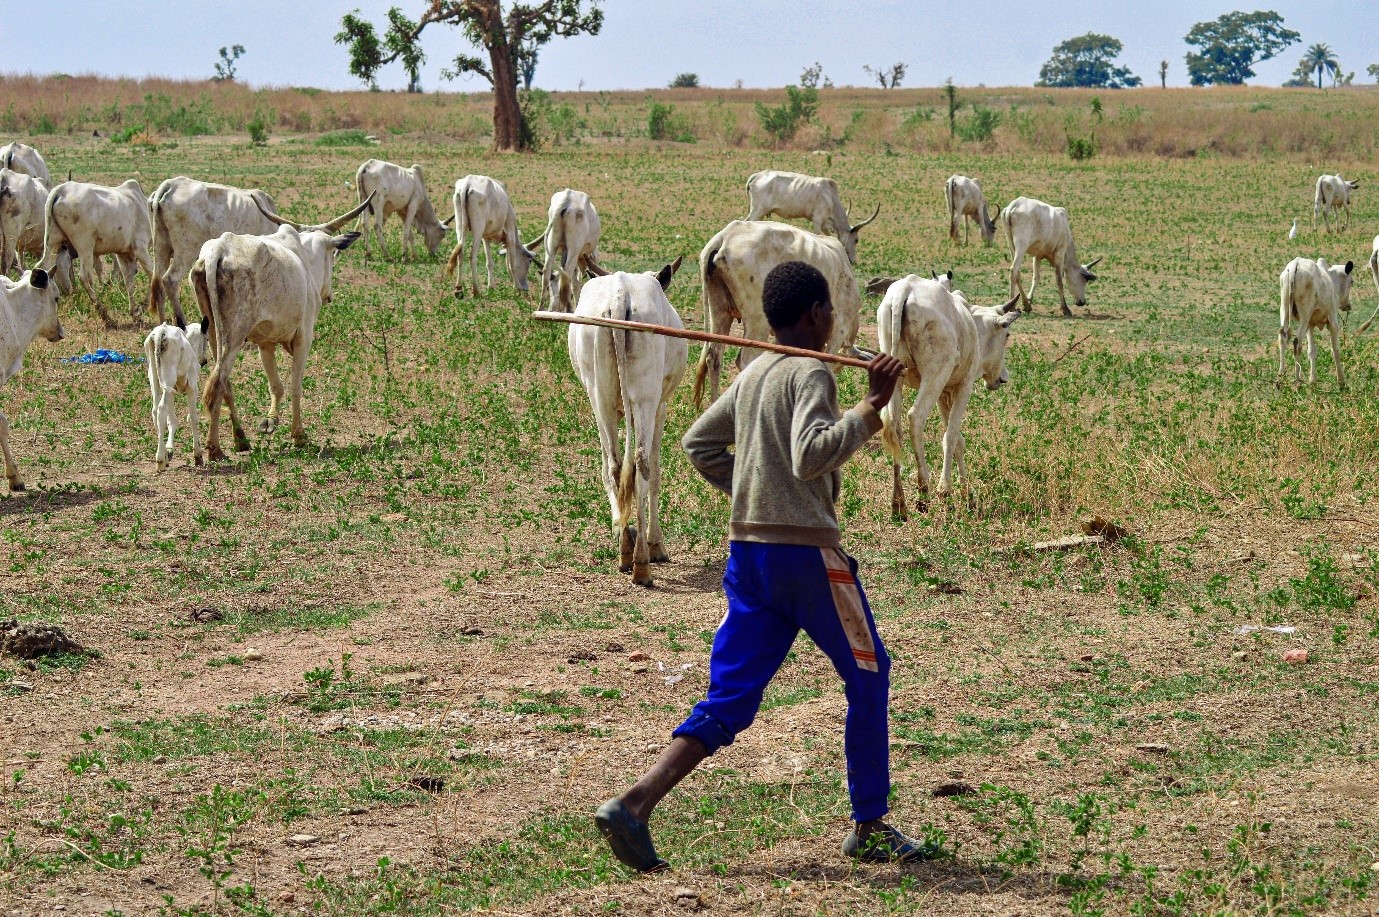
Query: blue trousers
column 775, row 591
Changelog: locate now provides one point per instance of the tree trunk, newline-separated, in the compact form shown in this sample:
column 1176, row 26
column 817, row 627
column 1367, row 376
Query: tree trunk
column 507, row 114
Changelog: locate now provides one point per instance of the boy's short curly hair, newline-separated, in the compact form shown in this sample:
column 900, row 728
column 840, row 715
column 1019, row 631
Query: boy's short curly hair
column 789, row 292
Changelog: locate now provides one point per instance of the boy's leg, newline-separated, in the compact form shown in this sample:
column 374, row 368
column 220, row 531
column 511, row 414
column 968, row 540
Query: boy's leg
column 748, row 647
column 835, row 614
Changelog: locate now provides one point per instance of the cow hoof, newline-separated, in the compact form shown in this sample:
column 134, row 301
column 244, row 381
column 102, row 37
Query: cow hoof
column 659, row 555
column 16, row 485
column 198, row 461
column 641, row 575
column 300, row 440
column 624, row 566
column 215, row 454
column 267, row 425
column 242, row 445
column 162, row 464
column 899, row 513
column 1067, row 313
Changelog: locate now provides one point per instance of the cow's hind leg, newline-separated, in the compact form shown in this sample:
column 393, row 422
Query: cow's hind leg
column 1062, row 295
column 268, row 353
column 11, row 469
column 953, row 408
column 930, row 388
column 1334, row 326
column 656, row 543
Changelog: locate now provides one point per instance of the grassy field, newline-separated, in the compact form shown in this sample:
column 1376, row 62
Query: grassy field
column 390, row 673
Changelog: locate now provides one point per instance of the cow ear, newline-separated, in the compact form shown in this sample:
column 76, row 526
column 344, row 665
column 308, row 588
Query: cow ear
column 343, row 242
column 1005, row 321
column 667, row 273
column 38, row 279
column 1349, row 266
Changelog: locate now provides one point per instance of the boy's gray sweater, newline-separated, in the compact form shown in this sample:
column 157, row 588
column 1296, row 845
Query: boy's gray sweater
column 781, row 414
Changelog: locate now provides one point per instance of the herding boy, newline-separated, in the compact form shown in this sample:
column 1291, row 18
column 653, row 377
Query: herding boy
column 786, row 570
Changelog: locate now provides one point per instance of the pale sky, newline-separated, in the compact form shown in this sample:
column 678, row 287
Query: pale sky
column 644, row 43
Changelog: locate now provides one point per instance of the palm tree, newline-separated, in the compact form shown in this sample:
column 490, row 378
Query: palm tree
column 1320, row 58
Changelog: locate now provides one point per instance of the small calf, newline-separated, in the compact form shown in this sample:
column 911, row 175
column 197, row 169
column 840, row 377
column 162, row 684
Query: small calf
column 175, row 358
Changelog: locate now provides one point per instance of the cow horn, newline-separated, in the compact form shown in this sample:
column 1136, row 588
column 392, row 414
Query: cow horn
column 1091, row 264
column 592, row 265
column 534, row 242
column 281, row 221
column 340, row 221
column 868, row 220
column 1012, row 305
column 448, row 220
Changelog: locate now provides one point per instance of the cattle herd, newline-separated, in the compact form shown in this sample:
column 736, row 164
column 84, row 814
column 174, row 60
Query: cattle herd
column 260, row 278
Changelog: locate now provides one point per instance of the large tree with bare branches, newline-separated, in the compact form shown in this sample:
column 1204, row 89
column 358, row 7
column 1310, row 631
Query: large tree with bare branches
column 505, row 34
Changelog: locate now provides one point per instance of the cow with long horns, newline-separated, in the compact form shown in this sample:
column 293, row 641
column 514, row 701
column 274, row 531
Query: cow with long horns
column 1042, row 231
column 790, row 195
column 265, row 290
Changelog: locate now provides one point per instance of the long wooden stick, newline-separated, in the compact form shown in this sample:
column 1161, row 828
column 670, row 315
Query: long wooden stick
column 704, row 336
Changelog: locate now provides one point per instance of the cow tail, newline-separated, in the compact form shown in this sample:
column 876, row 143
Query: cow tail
column 52, row 233
column 1004, row 217
column 891, row 439
column 157, row 294
column 1287, row 310
column 461, row 224
column 9, row 157
column 1374, row 272
column 634, row 452
column 948, row 199
column 714, row 293
column 205, row 283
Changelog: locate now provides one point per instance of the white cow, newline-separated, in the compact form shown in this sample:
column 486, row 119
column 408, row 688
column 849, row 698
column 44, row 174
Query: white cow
column 1041, row 231
column 1333, row 196
column 634, row 376
column 27, row 309
column 484, row 212
column 401, row 191
column 20, row 157
column 94, row 220
column 966, row 202
column 1373, row 272
column 1313, row 294
column 21, row 218
column 732, row 268
column 265, row 290
column 174, row 359
column 572, row 242
column 946, row 344
column 790, row 195
column 187, row 214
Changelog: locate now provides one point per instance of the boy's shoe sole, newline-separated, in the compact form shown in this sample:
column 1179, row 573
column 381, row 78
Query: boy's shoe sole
column 629, row 839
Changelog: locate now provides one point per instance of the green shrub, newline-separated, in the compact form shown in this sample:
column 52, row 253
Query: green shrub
column 662, row 123
column 980, row 125
column 784, row 121
column 1081, row 148
column 258, row 130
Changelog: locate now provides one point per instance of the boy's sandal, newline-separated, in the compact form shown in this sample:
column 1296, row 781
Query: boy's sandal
column 889, row 846
column 629, row 838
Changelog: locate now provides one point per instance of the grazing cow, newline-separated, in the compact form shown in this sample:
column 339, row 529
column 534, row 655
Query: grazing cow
column 265, row 290
column 401, row 191
column 21, row 218
column 187, row 214
column 572, row 242
column 20, row 157
column 94, row 220
column 1313, row 294
column 1041, row 231
column 732, row 268
column 1333, row 196
column 966, row 202
column 632, row 375
column 946, row 345
column 27, row 309
column 175, row 358
column 790, row 195
column 483, row 210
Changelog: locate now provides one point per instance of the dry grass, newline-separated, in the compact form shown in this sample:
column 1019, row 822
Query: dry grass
column 1228, row 121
